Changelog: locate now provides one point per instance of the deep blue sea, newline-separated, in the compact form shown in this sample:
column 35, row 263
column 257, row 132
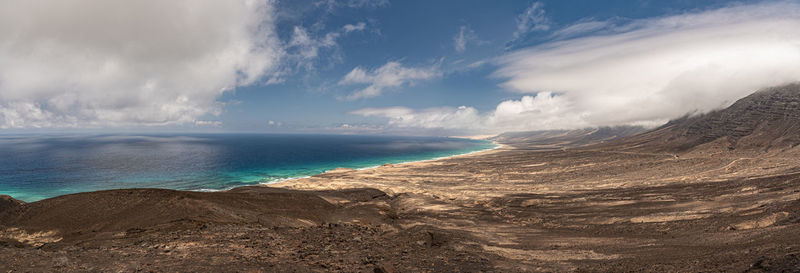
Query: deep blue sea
column 38, row 167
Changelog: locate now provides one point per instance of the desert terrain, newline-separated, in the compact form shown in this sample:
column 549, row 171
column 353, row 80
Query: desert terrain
column 717, row 192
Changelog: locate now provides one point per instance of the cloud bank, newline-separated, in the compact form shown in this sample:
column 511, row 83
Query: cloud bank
column 657, row 69
column 644, row 72
column 85, row 63
column 541, row 112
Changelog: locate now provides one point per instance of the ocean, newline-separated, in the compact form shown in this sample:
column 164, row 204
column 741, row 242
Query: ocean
column 38, row 167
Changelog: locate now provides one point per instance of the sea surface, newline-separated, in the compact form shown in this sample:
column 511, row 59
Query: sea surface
column 38, row 167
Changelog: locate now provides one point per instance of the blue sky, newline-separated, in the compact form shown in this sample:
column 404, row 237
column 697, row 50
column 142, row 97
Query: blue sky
column 386, row 67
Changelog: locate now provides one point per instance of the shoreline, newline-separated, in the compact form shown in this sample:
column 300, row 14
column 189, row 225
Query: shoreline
column 498, row 146
column 292, row 179
column 432, row 159
column 349, row 179
column 279, row 181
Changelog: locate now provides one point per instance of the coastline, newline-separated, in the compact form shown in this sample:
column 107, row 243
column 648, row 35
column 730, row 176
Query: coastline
column 229, row 180
column 279, row 182
column 400, row 178
column 497, row 146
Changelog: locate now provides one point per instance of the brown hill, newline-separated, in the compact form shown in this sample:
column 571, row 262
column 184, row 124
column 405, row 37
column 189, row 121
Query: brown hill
column 85, row 215
column 8, row 203
column 248, row 229
column 767, row 120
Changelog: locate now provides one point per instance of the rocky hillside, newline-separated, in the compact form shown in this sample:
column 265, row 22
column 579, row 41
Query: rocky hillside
column 8, row 203
column 767, row 120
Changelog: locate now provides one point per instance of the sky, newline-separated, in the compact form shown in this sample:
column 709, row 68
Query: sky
column 406, row 67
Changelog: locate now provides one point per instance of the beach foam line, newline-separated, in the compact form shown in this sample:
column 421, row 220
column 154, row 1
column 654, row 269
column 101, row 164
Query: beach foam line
column 210, row 190
column 278, row 180
column 270, row 181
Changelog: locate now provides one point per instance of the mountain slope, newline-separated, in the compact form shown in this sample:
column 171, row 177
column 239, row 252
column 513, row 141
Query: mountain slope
column 766, row 120
column 556, row 139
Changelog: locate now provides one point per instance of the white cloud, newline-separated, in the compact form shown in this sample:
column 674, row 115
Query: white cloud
column 443, row 117
column 645, row 73
column 663, row 68
column 304, row 50
column 533, row 19
column 86, row 63
column 544, row 111
column 391, row 75
column 366, row 3
column 465, row 35
column 211, row 123
column 581, row 28
column 333, row 5
column 360, row 26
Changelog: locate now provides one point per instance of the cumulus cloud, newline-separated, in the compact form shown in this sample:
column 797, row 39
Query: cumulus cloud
column 391, row 75
column 663, row 68
column 643, row 72
column 533, row 19
column 84, row 63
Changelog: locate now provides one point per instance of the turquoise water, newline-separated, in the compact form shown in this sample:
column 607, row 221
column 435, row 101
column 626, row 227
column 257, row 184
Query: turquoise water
column 38, row 167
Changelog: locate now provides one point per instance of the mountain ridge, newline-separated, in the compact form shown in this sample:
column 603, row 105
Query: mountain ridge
column 767, row 120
